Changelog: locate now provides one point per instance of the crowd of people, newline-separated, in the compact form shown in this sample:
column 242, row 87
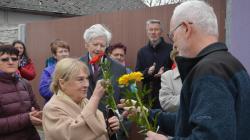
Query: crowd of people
column 201, row 91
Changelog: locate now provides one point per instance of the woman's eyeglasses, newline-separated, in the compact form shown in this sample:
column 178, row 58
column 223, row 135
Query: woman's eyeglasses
column 13, row 59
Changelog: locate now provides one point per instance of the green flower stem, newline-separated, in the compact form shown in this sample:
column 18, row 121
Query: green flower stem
column 119, row 116
column 143, row 112
column 125, row 130
column 110, row 91
column 114, row 103
column 120, row 120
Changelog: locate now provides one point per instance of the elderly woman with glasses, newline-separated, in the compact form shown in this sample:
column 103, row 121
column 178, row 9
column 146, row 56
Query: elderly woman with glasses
column 18, row 108
column 69, row 115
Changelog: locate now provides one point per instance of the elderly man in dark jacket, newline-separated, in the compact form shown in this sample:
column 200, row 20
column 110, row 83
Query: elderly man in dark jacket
column 18, row 108
column 97, row 38
column 215, row 98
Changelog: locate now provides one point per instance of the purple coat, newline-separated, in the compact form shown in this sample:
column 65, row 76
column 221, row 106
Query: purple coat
column 16, row 100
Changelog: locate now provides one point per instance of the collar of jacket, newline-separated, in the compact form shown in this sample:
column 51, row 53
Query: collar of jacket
column 87, row 57
column 8, row 78
column 161, row 40
column 176, row 73
column 185, row 65
column 64, row 96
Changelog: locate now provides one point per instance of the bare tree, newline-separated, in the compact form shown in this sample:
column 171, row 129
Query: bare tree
column 152, row 3
column 173, row 1
column 159, row 2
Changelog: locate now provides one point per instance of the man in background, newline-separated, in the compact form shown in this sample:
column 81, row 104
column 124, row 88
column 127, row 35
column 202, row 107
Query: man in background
column 153, row 60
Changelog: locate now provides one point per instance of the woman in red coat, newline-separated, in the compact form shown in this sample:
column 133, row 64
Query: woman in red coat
column 26, row 67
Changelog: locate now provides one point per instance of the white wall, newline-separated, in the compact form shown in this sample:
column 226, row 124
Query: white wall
column 8, row 17
column 9, row 22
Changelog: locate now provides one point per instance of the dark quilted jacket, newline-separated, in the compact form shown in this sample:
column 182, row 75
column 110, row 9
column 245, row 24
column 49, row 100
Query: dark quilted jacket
column 16, row 100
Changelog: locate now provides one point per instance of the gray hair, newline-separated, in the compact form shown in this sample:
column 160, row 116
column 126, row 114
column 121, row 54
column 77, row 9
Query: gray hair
column 199, row 13
column 95, row 31
column 153, row 21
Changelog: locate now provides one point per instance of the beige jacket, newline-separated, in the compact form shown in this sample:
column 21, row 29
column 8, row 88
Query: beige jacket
column 169, row 94
column 63, row 119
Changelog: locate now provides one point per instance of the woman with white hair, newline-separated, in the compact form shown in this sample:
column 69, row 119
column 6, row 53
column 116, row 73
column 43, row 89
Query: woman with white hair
column 69, row 115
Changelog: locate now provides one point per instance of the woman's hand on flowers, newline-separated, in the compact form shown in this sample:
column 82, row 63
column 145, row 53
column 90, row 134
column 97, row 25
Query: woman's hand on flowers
column 99, row 89
column 154, row 136
column 130, row 108
column 114, row 123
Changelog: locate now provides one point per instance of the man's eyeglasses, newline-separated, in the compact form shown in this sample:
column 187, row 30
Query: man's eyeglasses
column 13, row 59
column 171, row 33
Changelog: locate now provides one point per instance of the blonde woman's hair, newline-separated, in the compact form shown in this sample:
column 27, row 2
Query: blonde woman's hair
column 173, row 54
column 66, row 69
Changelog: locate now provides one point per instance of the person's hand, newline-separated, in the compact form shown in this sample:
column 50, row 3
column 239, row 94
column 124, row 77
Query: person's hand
column 151, row 69
column 154, row 136
column 114, row 123
column 99, row 88
column 129, row 108
column 160, row 72
column 35, row 116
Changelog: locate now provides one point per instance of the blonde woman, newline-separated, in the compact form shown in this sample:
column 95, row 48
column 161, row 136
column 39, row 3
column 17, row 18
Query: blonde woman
column 69, row 115
column 169, row 94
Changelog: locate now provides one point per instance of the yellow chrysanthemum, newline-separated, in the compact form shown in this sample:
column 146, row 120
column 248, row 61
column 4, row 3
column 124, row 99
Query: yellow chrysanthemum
column 123, row 80
column 132, row 77
column 137, row 76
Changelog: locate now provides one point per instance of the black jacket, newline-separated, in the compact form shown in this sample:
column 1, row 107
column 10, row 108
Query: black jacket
column 146, row 56
column 215, row 98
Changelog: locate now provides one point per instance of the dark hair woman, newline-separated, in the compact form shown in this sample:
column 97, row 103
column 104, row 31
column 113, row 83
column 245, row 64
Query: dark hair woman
column 26, row 67
column 19, row 112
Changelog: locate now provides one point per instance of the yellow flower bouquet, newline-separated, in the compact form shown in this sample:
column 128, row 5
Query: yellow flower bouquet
column 133, row 97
